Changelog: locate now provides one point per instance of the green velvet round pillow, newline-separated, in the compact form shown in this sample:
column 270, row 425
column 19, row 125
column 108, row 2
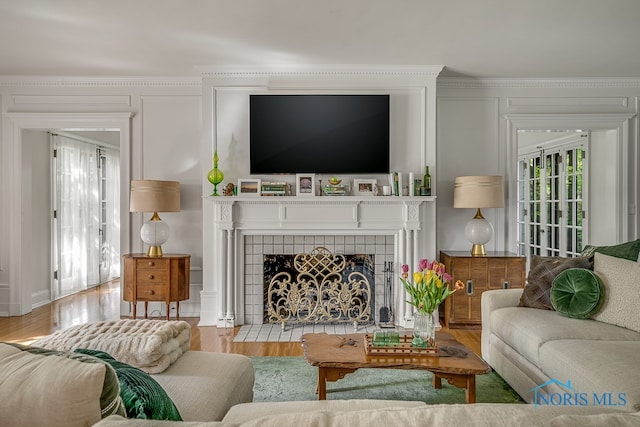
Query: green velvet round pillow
column 577, row 293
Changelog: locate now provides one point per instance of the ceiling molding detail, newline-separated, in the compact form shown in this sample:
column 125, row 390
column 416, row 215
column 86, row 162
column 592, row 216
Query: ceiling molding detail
column 491, row 83
column 324, row 71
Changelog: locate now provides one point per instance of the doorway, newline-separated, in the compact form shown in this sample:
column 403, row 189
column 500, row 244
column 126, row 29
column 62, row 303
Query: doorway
column 30, row 257
column 85, row 189
column 558, row 163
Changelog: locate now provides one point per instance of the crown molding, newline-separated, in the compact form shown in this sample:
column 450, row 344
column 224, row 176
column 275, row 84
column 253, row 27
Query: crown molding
column 539, row 83
column 49, row 81
column 322, row 71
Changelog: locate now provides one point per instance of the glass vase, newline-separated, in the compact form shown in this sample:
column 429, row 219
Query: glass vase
column 215, row 175
column 424, row 331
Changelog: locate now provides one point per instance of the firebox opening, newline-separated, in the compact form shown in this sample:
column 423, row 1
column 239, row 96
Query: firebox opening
column 319, row 287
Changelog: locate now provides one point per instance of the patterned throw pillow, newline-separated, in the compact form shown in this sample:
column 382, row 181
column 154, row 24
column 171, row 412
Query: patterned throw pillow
column 143, row 397
column 621, row 279
column 537, row 291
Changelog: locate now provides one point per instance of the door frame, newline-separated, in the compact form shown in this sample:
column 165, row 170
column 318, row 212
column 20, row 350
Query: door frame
column 19, row 291
column 588, row 121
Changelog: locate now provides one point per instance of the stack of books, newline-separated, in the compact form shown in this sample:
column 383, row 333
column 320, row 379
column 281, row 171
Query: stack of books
column 274, row 189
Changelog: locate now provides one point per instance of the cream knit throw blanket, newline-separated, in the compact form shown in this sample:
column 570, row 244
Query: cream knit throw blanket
column 151, row 345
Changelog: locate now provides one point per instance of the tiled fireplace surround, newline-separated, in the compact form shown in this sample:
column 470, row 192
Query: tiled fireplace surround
column 238, row 231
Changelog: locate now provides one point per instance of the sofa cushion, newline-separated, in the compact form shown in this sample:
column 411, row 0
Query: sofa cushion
column 142, row 396
column 621, row 279
column 596, row 366
column 52, row 388
column 478, row 414
column 577, row 293
column 527, row 329
column 249, row 411
column 542, row 271
column 598, row 420
column 221, row 379
column 627, row 250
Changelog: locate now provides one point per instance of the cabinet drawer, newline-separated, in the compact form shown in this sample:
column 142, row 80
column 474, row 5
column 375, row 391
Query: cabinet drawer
column 151, row 292
column 152, row 276
column 151, row 263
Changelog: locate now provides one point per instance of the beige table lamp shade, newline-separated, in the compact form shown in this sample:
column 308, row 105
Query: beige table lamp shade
column 154, row 196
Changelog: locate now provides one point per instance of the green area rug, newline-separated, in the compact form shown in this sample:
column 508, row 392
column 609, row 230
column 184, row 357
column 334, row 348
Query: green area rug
column 291, row 378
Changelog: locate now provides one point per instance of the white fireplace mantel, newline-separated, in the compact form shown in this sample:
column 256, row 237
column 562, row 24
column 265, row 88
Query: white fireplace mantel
column 228, row 219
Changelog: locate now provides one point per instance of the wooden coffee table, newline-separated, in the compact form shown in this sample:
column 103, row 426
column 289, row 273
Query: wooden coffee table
column 339, row 355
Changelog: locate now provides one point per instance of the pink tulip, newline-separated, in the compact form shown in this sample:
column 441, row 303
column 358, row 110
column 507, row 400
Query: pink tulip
column 424, row 265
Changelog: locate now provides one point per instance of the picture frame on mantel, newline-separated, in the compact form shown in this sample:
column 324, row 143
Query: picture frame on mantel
column 249, row 187
column 365, row 187
column 305, row 184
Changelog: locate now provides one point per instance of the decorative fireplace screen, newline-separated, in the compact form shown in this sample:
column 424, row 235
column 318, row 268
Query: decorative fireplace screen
column 320, row 292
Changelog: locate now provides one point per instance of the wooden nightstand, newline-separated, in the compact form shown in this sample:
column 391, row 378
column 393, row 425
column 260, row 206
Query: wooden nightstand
column 163, row 278
column 496, row 270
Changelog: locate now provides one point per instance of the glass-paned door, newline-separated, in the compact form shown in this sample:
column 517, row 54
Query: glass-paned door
column 80, row 229
column 551, row 200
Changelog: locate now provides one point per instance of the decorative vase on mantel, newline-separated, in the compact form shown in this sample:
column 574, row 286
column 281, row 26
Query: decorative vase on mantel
column 215, row 175
column 424, row 331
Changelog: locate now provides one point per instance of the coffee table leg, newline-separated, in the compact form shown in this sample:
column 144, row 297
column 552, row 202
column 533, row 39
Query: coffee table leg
column 322, row 384
column 468, row 382
column 471, row 389
column 437, row 381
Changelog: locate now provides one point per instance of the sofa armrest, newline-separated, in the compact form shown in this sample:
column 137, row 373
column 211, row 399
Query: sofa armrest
column 493, row 300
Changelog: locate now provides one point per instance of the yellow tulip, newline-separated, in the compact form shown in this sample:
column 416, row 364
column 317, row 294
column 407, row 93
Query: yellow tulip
column 428, row 276
column 417, row 277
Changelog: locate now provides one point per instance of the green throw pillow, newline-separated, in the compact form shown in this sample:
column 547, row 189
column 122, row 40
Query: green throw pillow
column 577, row 293
column 143, row 397
column 628, row 250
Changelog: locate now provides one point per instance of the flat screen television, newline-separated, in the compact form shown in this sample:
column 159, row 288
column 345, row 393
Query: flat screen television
column 324, row 134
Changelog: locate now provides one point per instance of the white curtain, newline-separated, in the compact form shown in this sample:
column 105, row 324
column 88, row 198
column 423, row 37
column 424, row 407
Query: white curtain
column 111, row 248
column 78, row 215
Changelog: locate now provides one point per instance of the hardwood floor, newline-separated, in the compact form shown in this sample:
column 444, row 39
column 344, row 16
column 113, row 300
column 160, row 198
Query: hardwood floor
column 102, row 303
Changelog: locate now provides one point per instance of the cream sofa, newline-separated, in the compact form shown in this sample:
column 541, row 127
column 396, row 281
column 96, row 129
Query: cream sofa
column 593, row 362
column 37, row 389
column 350, row 413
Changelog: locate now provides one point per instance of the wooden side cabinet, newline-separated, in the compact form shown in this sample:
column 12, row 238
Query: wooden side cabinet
column 163, row 278
column 496, row 270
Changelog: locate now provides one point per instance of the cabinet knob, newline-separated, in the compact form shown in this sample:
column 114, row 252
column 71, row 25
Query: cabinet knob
column 151, row 277
column 151, row 292
column 151, row 263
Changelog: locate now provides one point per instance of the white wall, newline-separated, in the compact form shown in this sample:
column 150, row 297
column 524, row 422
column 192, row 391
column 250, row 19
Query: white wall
column 36, row 173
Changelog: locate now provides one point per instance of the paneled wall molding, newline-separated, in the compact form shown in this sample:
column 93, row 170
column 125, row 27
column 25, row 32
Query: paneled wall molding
column 22, row 81
column 111, row 100
column 541, row 83
column 568, row 102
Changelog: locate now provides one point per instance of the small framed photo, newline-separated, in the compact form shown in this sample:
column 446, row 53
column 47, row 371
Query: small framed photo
column 249, row 187
column 365, row 187
column 306, row 184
